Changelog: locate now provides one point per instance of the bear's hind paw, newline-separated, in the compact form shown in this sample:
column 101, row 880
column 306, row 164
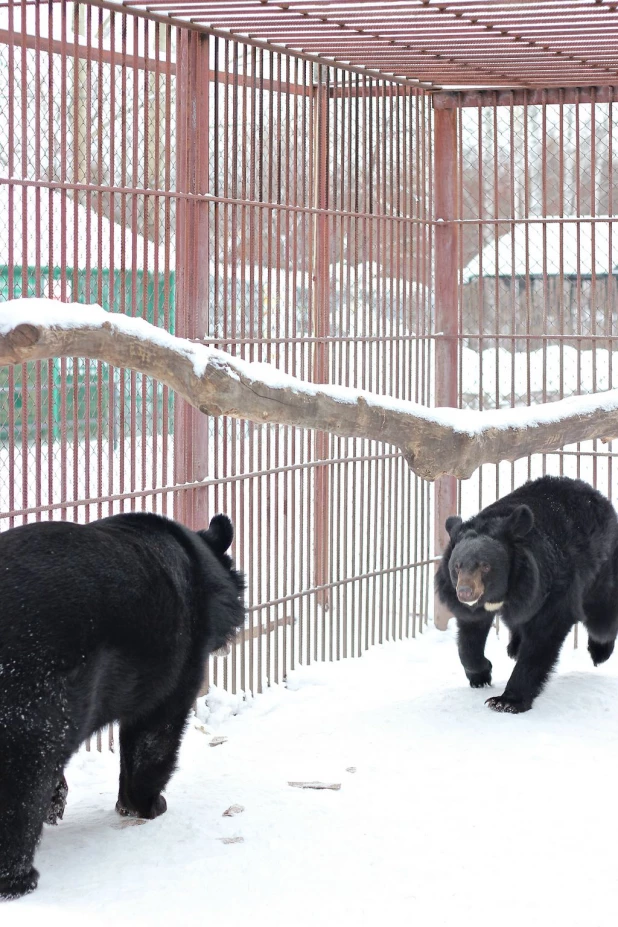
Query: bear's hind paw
column 17, row 886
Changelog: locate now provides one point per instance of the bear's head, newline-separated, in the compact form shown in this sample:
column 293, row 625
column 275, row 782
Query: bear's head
column 479, row 564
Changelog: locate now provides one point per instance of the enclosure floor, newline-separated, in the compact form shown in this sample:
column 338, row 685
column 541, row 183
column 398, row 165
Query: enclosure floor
column 453, row 815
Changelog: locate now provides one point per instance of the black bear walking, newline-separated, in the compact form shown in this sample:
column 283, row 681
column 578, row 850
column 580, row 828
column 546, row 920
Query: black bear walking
column 110, row 621
column 543, row 557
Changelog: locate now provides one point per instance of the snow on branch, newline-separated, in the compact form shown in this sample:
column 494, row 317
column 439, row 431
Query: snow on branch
column 434, row 442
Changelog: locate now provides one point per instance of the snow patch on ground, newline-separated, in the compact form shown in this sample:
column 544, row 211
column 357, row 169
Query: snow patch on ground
column 453, row 814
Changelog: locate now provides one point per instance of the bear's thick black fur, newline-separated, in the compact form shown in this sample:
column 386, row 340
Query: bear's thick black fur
column 110, row 621
column 543, row 557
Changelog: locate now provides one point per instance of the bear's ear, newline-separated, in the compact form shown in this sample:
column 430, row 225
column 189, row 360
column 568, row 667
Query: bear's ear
column 220, row 534
column 520, row 521
column 452, row 524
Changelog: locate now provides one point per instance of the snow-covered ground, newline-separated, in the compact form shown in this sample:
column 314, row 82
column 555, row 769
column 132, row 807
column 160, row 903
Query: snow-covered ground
column 448, row 814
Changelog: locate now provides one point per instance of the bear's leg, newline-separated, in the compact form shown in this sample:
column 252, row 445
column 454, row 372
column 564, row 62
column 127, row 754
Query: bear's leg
column 602, row 626
column 58, row 803
column 600, row 651
column 540, row 647
column 148, row 752
column 601, row 615
column 512, row 648
column 27, row 780
column 471, row 638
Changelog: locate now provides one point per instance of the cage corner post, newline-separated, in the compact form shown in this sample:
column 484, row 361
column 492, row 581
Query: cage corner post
column 446, row 308
column 191, row 427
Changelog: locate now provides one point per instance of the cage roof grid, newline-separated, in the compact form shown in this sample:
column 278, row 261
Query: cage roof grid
column 455, row 44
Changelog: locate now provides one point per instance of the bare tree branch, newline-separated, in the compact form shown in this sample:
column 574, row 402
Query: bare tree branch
column 434, row 442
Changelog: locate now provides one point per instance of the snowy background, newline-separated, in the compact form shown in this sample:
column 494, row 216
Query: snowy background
column 453, row 815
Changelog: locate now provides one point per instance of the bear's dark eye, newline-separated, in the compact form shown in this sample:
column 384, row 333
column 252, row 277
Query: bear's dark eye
column 485, row 568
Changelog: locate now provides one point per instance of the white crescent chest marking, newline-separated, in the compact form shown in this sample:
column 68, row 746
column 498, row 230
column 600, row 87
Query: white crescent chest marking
column 493, row 606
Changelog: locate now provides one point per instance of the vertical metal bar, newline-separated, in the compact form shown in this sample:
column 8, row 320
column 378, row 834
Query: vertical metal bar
column 122, row 130
column 25, row 386
column 278, row 432
column 243, row 507
column 102, row 70
column 445, row 180
column 321, row 329
column 51, row 154
column 611, row 283
column 415, row 270
column 259, row 432
column 297, row 362
column 133, row 307
column 592, row 291
column 561, row 280
column 169, row 321
column 497, row 322
column 153, row 166
column 482, row 290
column 80, row 121
column 544, row 250
column 578, row 211
column 148, row 404
column 63, row 253
column 236, row 213
column 526, row 214
column 192, row 272
column 11, row 257
column 39, row 291
column 254, row 681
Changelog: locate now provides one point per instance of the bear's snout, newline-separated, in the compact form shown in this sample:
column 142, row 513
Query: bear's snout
column 469, row 587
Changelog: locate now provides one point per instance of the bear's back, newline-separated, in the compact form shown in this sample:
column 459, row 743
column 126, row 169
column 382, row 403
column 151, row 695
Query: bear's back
column 567, row 511
column 134, row 581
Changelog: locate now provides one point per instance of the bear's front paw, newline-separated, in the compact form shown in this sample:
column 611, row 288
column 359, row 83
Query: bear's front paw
column 152, row 809
column 16, row 886
column 508, row 705
column 479, row 680
column 512, row 648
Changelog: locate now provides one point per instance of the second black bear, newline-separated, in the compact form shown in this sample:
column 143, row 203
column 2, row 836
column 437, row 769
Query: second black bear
column 110, row 621
column 543, row 557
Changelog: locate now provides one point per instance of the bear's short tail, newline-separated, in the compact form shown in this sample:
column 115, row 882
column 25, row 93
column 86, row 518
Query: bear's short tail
column 219, row 535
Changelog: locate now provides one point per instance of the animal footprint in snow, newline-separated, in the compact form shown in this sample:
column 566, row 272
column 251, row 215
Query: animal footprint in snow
column 128, row 822
column 232, row 810
column 335, row 786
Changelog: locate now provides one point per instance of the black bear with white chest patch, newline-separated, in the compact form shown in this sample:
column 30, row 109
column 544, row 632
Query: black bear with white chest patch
column 110, row 621
column 543, row 557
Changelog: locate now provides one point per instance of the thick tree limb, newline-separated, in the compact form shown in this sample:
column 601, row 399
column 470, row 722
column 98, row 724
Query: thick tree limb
column 435, row 442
